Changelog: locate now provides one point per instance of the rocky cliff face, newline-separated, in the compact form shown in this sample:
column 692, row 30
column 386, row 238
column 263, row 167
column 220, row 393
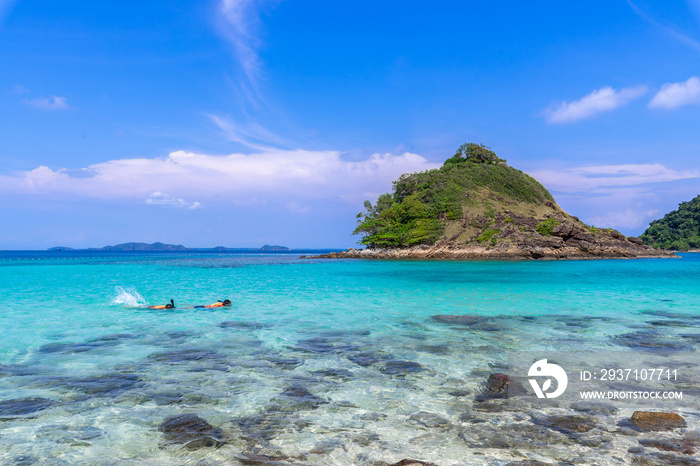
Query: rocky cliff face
column 542, row 232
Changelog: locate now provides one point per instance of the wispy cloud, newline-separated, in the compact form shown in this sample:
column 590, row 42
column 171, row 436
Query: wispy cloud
column 589, row 178
column 5, row 9
column 672, row 31
column 166, row 200
column 239, row 23
column 273, row 176
column 674, row 95
column 601, row 100
column 20, row 89
column 250, row 134
column 48, row 103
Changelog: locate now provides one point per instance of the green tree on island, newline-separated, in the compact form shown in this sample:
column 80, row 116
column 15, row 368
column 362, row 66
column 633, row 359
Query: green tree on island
column 678, row 230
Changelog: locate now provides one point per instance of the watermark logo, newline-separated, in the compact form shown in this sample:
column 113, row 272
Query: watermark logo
column 542, row 368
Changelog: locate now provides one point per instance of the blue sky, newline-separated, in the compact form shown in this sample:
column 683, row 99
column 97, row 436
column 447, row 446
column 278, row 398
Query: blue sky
column 251, row 122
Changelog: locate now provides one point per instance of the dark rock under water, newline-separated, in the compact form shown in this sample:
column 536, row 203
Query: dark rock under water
column 191, row 431
column 20, row 407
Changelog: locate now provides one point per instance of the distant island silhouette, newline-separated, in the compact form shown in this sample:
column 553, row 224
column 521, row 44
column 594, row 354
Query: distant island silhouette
column 146, row 247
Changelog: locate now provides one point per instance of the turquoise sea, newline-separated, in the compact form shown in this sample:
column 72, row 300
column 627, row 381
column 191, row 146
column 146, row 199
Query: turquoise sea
column 334, row 362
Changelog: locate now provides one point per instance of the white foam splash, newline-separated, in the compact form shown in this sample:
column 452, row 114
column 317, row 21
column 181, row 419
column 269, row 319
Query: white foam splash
column 128, row 297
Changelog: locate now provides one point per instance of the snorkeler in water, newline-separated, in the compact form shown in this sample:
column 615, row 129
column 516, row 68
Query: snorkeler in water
column 223, row 303
column 164, row 306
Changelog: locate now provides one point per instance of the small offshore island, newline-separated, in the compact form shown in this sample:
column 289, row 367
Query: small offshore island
column 477, row 207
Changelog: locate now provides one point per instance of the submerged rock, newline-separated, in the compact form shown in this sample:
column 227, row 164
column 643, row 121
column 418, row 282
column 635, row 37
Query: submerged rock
column 656, row 421
column 459, row 319
column 398, row 367
column 261, row 428
column 25, row 460
column 243, row 325
column 497, row 383
column 342, row 374
column 363, row 359
column 191, row 431
column 529, row 463
column 263, row 460
column 7, row 370
column 410, row 462
column 687, row 447
column 473, row 322
column 285, row 362
column 22, row 407
column 372, row 416
column 434, row 349
column 650, row 341
column 324, row 345
column 297, row 398
column 593, row 407
column 69, row 348
column 76, row 436
column 499, row 386
column 104, row 385
column 570, row 424
column 112, row 338
column 429, row 420
column 512, row 437
column 187, row 355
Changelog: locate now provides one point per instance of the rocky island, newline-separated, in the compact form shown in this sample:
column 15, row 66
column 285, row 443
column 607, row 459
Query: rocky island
column 477, row 207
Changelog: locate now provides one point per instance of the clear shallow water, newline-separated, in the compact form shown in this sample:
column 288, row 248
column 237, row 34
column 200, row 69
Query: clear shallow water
column 317, row 362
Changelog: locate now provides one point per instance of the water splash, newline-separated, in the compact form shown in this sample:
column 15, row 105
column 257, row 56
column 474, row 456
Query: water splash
column 128, row 297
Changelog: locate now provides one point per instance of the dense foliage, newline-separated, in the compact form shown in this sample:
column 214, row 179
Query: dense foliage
column 420, row 204
column 678, row 230
column 477, row 153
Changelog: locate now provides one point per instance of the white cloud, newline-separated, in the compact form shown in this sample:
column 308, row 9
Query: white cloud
column 273, row 176
column 48, row 103
column 674, row 95
column 578, row 179
column 627, row 218
column 19, row 89
column 601, row 100
column 613, row 196
column 166, row 200
column 294, row 207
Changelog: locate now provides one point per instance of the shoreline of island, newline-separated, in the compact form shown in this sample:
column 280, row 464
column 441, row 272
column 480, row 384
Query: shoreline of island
column 504, row 253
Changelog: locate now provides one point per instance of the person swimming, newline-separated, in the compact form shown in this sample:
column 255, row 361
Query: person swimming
column 223, row 303
column 164, row 306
